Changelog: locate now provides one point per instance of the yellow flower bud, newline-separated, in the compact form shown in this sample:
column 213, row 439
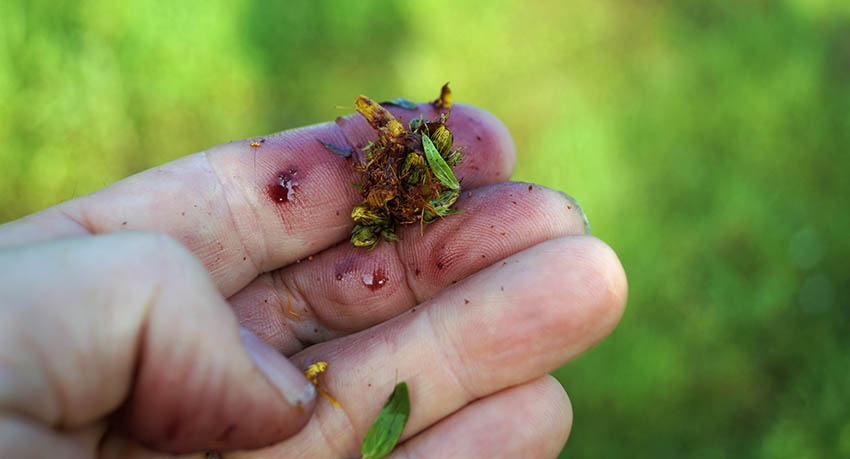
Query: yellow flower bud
column 442, row 139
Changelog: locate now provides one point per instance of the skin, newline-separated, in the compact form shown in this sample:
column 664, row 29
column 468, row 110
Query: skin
column 174, row 311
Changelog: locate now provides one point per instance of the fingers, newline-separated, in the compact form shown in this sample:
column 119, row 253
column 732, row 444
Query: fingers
column 246, row 209
column 345, row 289
column 503, row 326
column 529, row 420
column 133, row 320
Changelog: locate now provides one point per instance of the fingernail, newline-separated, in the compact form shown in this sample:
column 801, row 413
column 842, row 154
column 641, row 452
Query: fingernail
column 575, row 205
column 278, row 370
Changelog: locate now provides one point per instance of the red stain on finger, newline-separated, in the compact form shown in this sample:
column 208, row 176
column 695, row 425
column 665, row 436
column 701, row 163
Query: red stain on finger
column 283, row 187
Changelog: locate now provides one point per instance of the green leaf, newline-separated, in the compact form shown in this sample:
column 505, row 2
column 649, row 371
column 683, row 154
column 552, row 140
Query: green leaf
column 344, row 152
column 402, row 102
column 441, row 169
column 386, row 430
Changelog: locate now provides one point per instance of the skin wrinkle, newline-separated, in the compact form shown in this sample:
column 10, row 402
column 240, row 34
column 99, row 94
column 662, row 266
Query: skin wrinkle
column 406, row 275
column 81, row 221
column 60, row 404
column 466, row 392
column 292, row 288
column 257, row 264
column 329, row 437
column 284, row 325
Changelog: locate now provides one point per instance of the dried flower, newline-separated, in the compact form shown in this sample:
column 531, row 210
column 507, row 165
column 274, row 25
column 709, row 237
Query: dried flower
column 406, row 173
column 312, row 375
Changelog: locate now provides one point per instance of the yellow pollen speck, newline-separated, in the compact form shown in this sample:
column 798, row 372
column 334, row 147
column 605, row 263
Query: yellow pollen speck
column 312, row 374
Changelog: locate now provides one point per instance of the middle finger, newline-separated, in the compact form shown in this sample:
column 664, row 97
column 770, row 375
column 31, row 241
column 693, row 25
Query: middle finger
column 346, row 289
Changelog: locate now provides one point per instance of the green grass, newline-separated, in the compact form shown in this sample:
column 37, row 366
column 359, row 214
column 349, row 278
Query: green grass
column 707, row 142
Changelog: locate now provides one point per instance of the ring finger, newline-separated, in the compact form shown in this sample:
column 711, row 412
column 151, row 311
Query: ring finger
column 503, row 326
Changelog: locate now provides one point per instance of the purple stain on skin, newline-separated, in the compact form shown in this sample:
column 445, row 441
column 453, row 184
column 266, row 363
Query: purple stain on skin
column 343, row 267
column 283, row 187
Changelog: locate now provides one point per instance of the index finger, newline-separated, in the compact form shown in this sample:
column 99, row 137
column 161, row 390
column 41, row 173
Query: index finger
column 254, row 205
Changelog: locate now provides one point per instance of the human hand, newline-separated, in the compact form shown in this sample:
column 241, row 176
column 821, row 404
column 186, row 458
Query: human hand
column 118, row 318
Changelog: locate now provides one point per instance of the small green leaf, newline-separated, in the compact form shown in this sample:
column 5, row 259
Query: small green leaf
column 386, row 430
column 344, row 152
column 357, row 185
column 402, row 102
column 441, row 169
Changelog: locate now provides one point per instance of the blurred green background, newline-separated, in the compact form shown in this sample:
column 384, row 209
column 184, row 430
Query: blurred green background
column 707, row 142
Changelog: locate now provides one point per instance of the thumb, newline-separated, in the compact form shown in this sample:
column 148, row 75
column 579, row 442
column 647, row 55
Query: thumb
column 130, row 327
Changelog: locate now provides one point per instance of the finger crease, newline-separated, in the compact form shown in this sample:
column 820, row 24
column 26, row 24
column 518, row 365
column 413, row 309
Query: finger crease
column 292, row 293
column 405, row 274
column 257, row 263
column 466, row 392
column 336, row 449
column 81, row 221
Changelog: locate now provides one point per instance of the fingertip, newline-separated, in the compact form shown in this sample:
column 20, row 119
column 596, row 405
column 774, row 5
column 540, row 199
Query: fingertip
column 486, row 141
column 559, row 410
column 611, row 277
column 589, row 271
column 491, row 153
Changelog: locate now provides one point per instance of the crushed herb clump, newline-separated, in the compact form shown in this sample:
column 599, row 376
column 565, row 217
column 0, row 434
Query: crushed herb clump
column 406, row 173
